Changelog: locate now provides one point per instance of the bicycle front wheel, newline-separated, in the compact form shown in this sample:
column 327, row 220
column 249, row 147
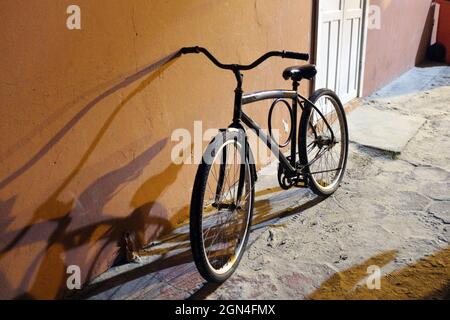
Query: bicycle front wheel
column 323, row 142
column 222, row 206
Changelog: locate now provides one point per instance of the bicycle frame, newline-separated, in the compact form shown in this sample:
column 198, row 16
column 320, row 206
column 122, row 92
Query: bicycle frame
column 240, row 99
column 268, row 140
column 297, row 100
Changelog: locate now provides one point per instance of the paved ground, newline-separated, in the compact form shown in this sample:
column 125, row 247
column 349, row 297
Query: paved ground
column 392, row 211
column 385, row 130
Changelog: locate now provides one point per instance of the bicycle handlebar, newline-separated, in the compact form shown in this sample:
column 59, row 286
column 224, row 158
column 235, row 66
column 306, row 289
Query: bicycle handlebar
column 237, row 67
column 296, row 55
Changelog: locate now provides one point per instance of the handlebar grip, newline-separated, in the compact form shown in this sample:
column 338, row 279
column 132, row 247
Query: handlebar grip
column 296, row 55
column 187, row 50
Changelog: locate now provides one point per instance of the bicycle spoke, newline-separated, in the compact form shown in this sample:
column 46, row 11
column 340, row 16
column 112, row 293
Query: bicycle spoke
column 224, row 224
column 325, row 155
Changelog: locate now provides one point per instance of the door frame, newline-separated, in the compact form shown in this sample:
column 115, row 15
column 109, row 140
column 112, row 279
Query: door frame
column 362, row 59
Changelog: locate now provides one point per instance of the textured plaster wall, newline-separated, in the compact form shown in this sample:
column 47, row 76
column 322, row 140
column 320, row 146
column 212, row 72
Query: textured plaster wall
column 401, row 42
column 81, row 164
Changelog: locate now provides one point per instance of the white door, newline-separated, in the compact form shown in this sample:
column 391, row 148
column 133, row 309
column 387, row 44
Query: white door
column 340, row 27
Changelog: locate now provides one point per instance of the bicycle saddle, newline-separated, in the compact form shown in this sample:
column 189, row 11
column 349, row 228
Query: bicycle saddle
column 297, row 73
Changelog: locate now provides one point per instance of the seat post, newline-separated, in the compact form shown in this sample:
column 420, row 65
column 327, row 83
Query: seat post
column 295, row 85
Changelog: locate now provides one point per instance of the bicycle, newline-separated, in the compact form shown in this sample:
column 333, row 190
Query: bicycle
column 218, row 244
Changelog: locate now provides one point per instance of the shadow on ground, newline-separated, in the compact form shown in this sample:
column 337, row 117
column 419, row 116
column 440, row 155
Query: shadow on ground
column 429, row 278
column 167, row 270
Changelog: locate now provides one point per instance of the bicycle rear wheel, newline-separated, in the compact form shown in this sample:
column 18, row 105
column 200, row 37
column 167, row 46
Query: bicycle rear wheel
column 222, row 206
column 324, row 148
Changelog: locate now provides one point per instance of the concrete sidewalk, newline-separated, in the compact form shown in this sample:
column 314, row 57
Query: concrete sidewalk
column 383, row 130
column 392, row 213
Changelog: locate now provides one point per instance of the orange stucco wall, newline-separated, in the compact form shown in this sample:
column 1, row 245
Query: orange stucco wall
column 80, row 164
column 401, row 42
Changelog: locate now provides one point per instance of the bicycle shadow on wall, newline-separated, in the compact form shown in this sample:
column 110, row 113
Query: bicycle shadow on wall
column 107, row 230
column 58, row 223
column 157, row 67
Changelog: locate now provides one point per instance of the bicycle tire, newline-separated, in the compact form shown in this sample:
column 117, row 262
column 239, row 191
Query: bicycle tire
column 198, row 216
column 314, row 182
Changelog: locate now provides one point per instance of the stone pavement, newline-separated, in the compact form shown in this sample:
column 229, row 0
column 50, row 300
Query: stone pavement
column 382, row 130
column 392, row 212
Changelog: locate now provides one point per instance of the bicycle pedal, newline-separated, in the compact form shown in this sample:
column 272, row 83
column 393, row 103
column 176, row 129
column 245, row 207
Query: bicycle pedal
column 301, row 184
